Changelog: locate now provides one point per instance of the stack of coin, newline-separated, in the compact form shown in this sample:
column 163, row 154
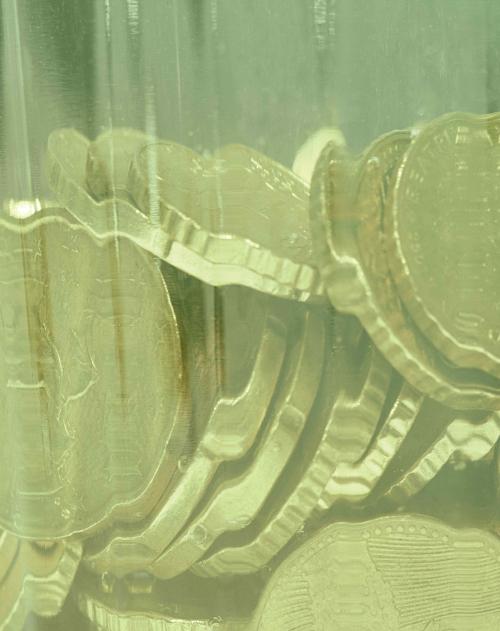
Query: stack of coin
column 205, row 361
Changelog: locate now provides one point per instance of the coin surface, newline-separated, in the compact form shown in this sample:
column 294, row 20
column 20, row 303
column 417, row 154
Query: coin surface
column 236, row 218
column 236, row 501
column 34, row 578
column 393, row 573
column 253, row 360
column 443, row 237
column 347, row 209
column 92, row 397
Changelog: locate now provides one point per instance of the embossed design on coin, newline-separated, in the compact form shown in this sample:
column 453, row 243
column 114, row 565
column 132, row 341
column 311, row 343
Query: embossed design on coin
column 92, row 397
column 398, row 572
column 347, row 210
column 443, row 229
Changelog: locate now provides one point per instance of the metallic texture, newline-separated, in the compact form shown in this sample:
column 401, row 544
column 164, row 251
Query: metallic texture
column 348, row 201
column 387, row 574
column 442, row 231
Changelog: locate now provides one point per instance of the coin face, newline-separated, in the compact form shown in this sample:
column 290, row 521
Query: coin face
column 392, row 573
column 348, row 201
column 93, row 412
column 443, row 230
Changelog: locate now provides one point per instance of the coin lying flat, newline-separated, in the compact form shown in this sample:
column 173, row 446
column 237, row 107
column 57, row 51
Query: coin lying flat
column 234, row 504
column 236, row 419
column 355, row 482
column 142, row 603
column 302, row 483
column 89, row 434
column 442, row 228
column 398, row 572
column 347, row 206
column 237, row 218
column 34, row 577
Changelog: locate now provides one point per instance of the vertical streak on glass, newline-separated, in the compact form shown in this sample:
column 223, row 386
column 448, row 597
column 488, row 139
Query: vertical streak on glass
column 151, row 129
column 18, row 149
column 178, row 66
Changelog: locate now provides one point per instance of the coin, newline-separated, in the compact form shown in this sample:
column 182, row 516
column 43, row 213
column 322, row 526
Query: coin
column 354, row 482
column 236, row 218
column 442, row 228
column 308, row 154
column 235, row 502
column 66, row 166
column 237, row 418
column 387, row 574
column 347, row 206
column 142, row 603
column 34, row 578
column 463, row 439
column 359, row 404
column 92, row 397
column 303, row 481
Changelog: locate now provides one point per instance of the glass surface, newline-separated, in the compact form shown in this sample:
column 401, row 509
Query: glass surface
column 250, row 374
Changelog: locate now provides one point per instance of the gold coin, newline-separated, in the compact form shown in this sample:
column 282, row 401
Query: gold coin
column 442, row 228
column 236, row 501
column 253, row 358
column 347, row 206
column 92, row 397
column 236, row 218
column 142, row 603
column 353, row 482
column 34, row 578
column 463, row 439
column 303, row 481
column 66, row 166
column 388, row 574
